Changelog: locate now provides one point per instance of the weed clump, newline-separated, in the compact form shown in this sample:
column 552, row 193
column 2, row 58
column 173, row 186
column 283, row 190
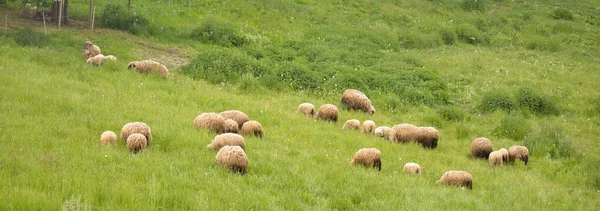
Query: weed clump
column 473, row 5
column 532, row 100
column 26, row 37
column 450, row 113
column 218, row 32
column 551, row 141
column 114, row 16
column 513, row 127
column 561, row 14
column 471, row 35
column 496, row 100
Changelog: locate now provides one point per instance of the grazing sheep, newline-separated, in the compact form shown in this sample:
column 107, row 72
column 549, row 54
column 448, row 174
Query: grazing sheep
column 136, row 127
column 111, row 57
column 252, row 128
column 351, row 124
column 412, row 168
column 368, row 127
column 307, row 109
column 459, row 178
column 233, row 157
column 367, row 157
column 239, row 117
column 428, row 137
column 481, row 147
column 231, row 126
column 383, row 131
column 353, row 99
column 504, row 154
column 495, row 158
column 404, row 133
column 210, row 121
column 518, row 152
column 90, row 50
column 328, row 112
column 108, row 138
column 99, row 59
column 136, row 142
column 148, row 66
column 225, row 139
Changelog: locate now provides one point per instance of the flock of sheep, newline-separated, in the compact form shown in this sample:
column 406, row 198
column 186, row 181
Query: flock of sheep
column 93, row 55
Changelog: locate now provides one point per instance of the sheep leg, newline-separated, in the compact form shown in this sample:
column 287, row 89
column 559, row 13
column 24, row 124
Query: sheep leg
column 377, row 164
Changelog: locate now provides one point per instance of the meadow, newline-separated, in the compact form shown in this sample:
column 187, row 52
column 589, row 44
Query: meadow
column 519, row 73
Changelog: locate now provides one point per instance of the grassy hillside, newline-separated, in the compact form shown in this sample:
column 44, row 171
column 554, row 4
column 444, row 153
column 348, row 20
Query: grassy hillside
column 516, row 72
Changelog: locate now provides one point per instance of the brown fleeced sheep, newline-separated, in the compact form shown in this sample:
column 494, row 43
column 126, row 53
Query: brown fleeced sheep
column 518, row 152
column 233, row 157
column 504, row 154
column 351, row 124
column 368, row 127
column 239, row 117
column 252, row 128
column 230, row 126
column 495, row 158
column 148, row 66
column 405, row 133
column 328, row 112
column 90, row 50
column 428, row 137
column 367, row 157
column 353, row 99
column 383, row 131
column 307, row 109
column 412, row 168
column 108, row 138
column 459, row 178
column 210, row 121
column 481, row 147
column 136, row 127
column 136, row 142
column 225, row 139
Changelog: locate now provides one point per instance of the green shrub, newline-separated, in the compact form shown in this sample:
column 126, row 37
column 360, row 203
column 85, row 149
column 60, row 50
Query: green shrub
column 470, row 34
column 26, row 37
column 550, row 140
column 451, row 113
column 532, row 100
column 463, row 131
column 416, row 40
column 249, row 83
column 215, row 31
column 448, row 36
column 223, row 66
column 496, row 100
column 114, row 16
column 473, row 5
column 561, row 14
column 551, row 44
column 513, row 127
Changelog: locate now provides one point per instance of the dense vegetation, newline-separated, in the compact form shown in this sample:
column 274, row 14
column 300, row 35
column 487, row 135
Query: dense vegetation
column 517, row 72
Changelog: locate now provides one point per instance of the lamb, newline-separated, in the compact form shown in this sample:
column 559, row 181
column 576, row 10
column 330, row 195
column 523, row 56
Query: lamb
column 108, row 138
column 252, row 128
column 230, row 126
column 353, row 99
column 367, row 157
column 404, row 133
column 368, row 127
column 307, row 109
column 328, row 112
column 210, row 121
column 233, row 157
column 148, row 66
column 481, row 148
column 225, row 139
column 383, row 131
column 136, row 142
column 495, row 158
column 504, row 154
column 136, row 127
column 518, row 152
column 412, row 168
column 428, row 137
column 239, row 117
column 351, row 124
column 459, row 178
column 90, row 50
column 99, row 59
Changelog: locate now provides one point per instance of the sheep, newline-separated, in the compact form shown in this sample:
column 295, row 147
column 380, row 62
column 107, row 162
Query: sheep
column 404, row 133
column 428, row 137
column 239, row 117
column 136, row 142
column 148, row 66
column 383, row 131
column 353, row 99
column 233, row 157
column 225, row 139
column 367, row 157
column 504, row 154
column 368, row 127
column 351, row 124
column 307, row 109
column 481, row 147
column 210, row 121
column 328, row 112
column 518, row 152
column 90, row 50
column 495, row 158
column 412, row 168
column 136, row 127
column 99, row 59
column 459, row 178
column 230, row 126
column 252, row 128
column 108, row 138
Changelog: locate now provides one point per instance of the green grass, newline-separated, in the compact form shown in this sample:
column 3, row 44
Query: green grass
column 54, row 106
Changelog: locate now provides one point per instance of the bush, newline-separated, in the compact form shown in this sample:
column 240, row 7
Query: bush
column 28, row 38
column 561, row 14
column 473, row 5
column 513, row 127
column 470, row 34
column 551, row 44
column 463, row 131
column 532, row 100
column 495, row 100
column 551, row 141
column 223, row 66
column 114, row 16
column 218, row 32
column 450, row 113
column 415, row 40
column 448, row 36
